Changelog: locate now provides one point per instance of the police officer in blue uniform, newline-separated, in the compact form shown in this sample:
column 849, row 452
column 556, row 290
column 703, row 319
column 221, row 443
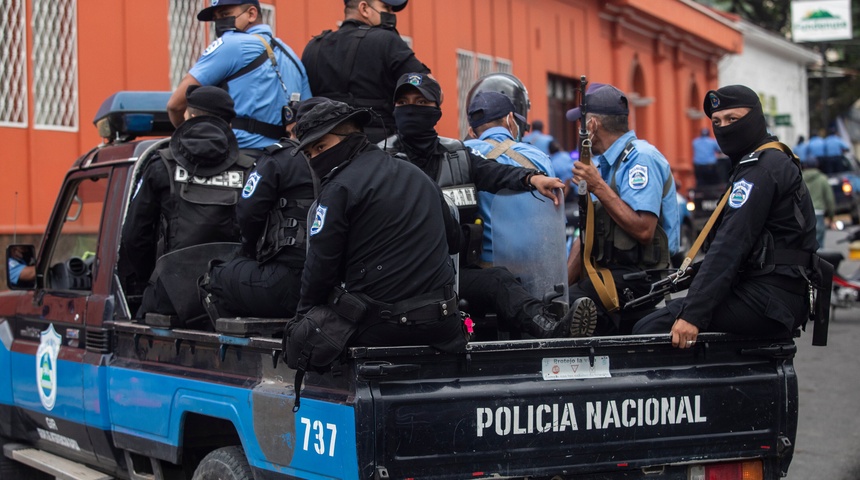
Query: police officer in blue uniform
column 360, row 62
column 461, row 171
column 260, row 71
column 265, row 279
column 187, row 193
column 381, row 236
column 753, row 279
column 636, row 216
column 495, row 127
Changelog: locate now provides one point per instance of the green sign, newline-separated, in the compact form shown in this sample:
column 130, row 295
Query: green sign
column 782, row 120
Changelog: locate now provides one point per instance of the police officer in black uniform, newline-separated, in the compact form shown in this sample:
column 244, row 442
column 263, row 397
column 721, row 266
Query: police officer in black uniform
column 461, row 171
column 381, row 232
column 187, row 193
column 265, row 279
column 753, row 279
column 359, row 64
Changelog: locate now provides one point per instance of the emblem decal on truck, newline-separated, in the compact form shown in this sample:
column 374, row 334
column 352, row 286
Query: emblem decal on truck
column 46, row 366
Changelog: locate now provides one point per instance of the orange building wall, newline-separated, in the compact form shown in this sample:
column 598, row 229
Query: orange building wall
column 123, row 45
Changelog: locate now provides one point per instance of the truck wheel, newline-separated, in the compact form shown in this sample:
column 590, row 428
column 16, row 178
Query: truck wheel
column 12, row 470
column 228, row 463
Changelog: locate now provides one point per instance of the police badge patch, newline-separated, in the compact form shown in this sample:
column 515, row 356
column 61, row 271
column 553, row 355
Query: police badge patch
column 715, row 100
column 740, row 193
column 638, row 177
column 251, row 185
column 319, row 220
column 414, row 79
column 212, row 46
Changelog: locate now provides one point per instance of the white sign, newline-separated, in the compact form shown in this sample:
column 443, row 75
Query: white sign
column 575, row 367
column 820, row 20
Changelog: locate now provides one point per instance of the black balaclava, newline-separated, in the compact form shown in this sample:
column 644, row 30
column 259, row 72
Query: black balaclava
column 743, row 136
column 339, row 154
column 417, row 126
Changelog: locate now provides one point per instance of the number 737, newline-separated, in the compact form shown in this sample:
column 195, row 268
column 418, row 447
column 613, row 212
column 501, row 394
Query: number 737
column 319, row 436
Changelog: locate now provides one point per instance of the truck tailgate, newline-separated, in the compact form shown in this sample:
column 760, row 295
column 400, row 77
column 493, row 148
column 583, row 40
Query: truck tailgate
column 539, row 408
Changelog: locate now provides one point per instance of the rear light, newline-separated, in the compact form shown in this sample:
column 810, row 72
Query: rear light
column 846, row 187
column 749, row 470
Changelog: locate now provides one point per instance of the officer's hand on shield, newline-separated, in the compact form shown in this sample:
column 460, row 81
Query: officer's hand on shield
column 589, row 173
column 684, row 334
column 547, row 186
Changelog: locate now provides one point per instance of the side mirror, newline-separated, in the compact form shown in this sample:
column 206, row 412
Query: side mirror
column 21, row 267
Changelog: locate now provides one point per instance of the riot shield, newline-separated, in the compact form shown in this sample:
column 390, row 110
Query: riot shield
column 529, row 240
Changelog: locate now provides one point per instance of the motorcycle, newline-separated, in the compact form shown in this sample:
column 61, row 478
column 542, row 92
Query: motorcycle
column 845, row 292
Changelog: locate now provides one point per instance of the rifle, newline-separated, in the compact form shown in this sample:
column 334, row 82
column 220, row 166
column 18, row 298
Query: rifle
column 585, row 157
column 675, row 282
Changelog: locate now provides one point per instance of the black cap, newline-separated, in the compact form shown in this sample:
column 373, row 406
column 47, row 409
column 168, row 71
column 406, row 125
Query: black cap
column 204, row 146
column 489, row 106
column 731, row 96
column 212, row 100
column 602, row 99
column 208, row 13
column 423, row 83
column 318, row 116
column 396, row 5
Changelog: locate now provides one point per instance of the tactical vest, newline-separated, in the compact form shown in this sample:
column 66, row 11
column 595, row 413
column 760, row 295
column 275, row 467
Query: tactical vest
column 614, row 246
column 286, row 224
column 203, row 208
column 455, row 179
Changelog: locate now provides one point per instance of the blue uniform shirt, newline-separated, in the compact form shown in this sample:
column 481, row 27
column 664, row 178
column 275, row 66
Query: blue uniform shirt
column 562, row 164
column 15, row 267
column 539, row 140
column 639, row 182
column 834, row 146
column 257, row 94
column 815, row 147
column 705, row 150
column 485, row 199
column 802, row 151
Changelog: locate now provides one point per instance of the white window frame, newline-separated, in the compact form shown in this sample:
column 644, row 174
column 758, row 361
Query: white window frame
column 477, row 60
column 39, row 82
column 18, row 57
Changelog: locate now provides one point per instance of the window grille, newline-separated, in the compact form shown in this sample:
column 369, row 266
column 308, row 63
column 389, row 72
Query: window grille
column 55, row 64
column 13, row 56
column 471, row 67
column 188, row 37
column 268, row 13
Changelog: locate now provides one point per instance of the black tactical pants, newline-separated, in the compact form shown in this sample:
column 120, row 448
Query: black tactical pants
column 243, row 287
column 496, row 290
column 749, row 309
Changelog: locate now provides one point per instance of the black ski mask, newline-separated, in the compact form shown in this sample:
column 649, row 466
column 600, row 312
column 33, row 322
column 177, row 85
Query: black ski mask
column 743, row 136
column 417, row 126
column 332, row 158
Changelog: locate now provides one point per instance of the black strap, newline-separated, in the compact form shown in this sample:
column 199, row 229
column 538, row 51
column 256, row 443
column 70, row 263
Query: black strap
column 259, row 60
column 252, row 125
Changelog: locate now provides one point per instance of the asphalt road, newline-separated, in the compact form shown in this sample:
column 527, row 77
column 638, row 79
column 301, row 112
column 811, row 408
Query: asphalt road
column 828, row 432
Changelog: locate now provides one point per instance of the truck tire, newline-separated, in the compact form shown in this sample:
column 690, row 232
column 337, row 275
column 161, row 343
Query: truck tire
column 227, row 463
column 12, row 470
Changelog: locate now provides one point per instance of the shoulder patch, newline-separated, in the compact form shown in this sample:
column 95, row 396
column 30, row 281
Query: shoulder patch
column 741, row 191
column 476, row 153
column 319, row 220
column 750, row 157
column 137, row 188
column 251, row 184
column 213, row 46
column 637, row 178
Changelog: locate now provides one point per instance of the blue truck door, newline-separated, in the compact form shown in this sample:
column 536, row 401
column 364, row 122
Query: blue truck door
column 49, row 330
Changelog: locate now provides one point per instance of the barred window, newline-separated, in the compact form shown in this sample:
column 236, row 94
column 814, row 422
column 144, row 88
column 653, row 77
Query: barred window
column 471, row 67
column 55, row 64
column 13, row 56
column 268, row 12
column 188, row 37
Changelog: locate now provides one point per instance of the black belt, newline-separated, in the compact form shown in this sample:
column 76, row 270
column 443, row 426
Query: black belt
column 426, row 308
column 259, row 127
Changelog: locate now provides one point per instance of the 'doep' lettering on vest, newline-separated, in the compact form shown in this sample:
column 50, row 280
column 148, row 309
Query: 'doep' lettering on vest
column 228, row 179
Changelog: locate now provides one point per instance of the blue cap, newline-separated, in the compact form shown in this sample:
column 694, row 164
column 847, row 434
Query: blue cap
column 489, row 106
column 208, row 13
column 396, row 5
column 602, row 99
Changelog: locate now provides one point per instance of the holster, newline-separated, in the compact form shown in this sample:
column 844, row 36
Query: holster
column 347, row 305
column 473, row 244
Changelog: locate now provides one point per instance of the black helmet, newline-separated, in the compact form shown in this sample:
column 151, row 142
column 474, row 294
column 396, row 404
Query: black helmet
column 511, row 87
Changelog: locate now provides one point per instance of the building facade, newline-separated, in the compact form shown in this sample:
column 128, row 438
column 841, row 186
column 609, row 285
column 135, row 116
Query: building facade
column 62, row 58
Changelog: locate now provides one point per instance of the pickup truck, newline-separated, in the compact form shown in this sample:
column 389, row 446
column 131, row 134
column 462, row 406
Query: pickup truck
column 88, row 393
